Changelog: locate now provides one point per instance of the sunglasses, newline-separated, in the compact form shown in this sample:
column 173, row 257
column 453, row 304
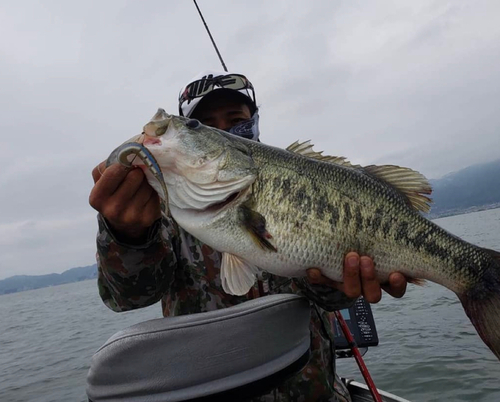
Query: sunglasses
column 200, row 88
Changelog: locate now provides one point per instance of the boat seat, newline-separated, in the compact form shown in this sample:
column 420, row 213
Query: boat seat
column 231, row 354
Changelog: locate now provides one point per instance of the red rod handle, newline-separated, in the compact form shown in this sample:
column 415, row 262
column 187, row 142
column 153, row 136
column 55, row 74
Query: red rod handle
column 359, row 359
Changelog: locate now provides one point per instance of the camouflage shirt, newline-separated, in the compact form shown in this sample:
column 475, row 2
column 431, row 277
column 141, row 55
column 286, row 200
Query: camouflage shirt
column 176, row 268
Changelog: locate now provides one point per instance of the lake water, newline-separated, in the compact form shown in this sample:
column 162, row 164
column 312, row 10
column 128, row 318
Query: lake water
column 428, row 349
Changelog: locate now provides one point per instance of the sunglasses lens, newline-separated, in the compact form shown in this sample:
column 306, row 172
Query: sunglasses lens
column 235, row 82
column 202, row 87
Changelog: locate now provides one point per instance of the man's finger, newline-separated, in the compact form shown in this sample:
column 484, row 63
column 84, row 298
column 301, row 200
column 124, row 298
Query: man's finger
column 396, row 286
column 130, row 185
column 98, row 171
column 152, row 209
column 112, row 179
column 143, row 194
column 369, row 282
column 352, row 282
column 315, row 277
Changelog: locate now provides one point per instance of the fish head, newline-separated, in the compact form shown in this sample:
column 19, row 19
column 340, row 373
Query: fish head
column 202, row 166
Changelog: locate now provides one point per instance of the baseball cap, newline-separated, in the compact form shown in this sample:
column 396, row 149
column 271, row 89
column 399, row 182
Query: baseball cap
column 208, row 82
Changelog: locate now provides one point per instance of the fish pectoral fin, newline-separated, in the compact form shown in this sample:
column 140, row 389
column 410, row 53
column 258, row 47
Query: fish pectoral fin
column 413, row 185
column 255, row 224
column 306, row 149
column 237, row 276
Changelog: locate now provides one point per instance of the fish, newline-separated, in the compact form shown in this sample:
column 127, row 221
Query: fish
column 286, row 210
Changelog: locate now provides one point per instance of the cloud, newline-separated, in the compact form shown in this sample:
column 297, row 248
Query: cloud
column 50, row 245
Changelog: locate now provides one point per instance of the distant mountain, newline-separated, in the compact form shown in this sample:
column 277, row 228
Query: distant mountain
column 20, row 283
column 473, row 188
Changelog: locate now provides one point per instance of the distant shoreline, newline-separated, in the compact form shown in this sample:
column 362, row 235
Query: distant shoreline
column 22, row 283
column 447, row 214
column 45, row 287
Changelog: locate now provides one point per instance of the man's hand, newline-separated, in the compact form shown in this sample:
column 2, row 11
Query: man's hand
column 360, row 279
column 124, row 197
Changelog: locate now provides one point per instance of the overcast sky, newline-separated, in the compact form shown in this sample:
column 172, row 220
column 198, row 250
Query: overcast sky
column 411, row 83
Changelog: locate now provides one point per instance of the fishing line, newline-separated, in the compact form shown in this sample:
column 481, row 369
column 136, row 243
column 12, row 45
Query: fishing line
column 211, row 38
column 140, row 141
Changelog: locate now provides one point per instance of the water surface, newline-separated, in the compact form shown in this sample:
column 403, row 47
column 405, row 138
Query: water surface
column 428, row 349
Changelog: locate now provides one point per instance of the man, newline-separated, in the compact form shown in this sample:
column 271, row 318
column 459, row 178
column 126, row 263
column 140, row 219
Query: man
column 143, row 259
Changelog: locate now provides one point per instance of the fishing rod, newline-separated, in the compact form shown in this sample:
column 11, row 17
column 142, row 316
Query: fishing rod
column 211, row 37
column 357, row 355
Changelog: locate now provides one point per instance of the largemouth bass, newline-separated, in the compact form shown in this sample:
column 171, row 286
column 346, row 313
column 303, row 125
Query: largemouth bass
column 284, row 211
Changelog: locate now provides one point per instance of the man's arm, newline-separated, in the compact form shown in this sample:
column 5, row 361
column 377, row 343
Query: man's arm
column 135, row 248
column 134, row 276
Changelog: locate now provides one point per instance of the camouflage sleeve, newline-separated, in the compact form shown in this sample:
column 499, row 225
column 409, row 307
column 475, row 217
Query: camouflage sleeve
column 131, row 277
column 327, row 298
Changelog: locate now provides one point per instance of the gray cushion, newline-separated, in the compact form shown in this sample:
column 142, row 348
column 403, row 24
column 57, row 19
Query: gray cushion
column 192, row 356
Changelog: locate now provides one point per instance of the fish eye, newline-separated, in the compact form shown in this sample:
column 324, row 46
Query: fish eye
column 193, row 123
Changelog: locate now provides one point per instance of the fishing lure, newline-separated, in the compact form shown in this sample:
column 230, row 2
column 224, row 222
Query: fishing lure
column 121, row 155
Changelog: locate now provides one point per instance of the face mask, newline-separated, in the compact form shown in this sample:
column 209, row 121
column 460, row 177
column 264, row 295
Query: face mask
column 247, row 129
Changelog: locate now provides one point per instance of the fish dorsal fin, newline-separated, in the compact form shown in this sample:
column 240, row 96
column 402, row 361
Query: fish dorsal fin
column 306, row 149
column 413, row 185
column 237, row 276
column 408, row 182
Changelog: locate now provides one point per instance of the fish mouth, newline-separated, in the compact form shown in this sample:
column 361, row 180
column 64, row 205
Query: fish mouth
column 149, row 141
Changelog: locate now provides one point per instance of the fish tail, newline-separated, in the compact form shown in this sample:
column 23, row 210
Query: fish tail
column 482, row 304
